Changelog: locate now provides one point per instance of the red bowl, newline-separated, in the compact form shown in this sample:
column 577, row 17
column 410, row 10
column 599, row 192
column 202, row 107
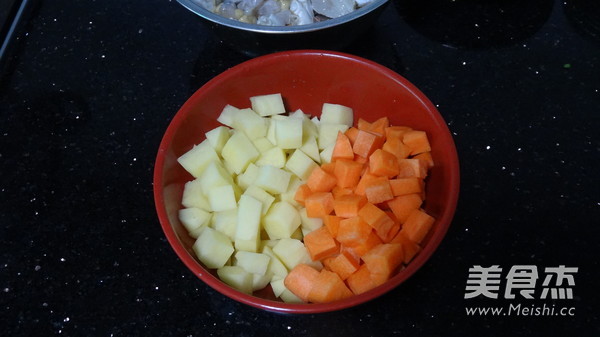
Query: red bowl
column 306, row 79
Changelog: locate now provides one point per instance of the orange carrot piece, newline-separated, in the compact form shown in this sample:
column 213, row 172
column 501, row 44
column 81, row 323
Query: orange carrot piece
column 320, row 244
column 361, row 248
column 377, row 219
column 342, row 148
column 409, row 248
column 332, row 223
column 343, row 264
column 426, row 156
column 417, row 225
column 320, row 181
column 383, row 260
column 360, row 281
column 402, row 186
column 383, row 163
column 365, row 180
column 391, row 234
column 353, row 231
column 340, row 191
column 412, row 168
column 360, row 159
column 379, row 126
column 328, row 287
column 319, row 204
column 300, row 280
column 302, row 193
column 403, row 205
column 362, row 124
column 378, row 190
column 417, row 141
column 396, row 147
column 366, row 142
column 329, row 167
column 351, row 134
column 347, row 206
column 396, row 131
column 347, row 172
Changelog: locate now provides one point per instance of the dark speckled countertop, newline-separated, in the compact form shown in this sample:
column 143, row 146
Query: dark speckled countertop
column 88, row 88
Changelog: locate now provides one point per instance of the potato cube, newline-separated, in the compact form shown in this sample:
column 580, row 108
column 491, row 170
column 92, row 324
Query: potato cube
column 300, row 164
column 213, row 248
column 194, row 219
column 247, row 178
column 217, row 137
column 193, row 195
column 268, row 105
column 225, row 222
column 337, row 114
column 247, row 234
column 239, row 152
column 250, row 123
column 272, row 179
column 288, row 133
column 261, row 195
column 275, row 156
column 256, row 263
column 236, row 277
column 291, row 252
column 281, row 220
column 227, row 115
column 195, row 160
column 222, row 198
column 276, row 267
column 328, row 133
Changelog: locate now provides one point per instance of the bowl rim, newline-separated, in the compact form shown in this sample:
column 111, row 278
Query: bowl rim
column 197, row 9
column 444, row 220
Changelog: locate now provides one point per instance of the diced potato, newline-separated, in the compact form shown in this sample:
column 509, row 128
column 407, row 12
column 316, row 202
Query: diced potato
column 268, row 105
column 288, row 133
column 261, row 195
column 195, row 160
column 281, row 220
column 311, row 148
column 256, row 263
column 248, row 121
column 262, row 144
column 214, row 175
column 275, row 156
column 260, row 281
column 222, row 198
column 300, row 164
column 328, row 134
column 225, row 222
column 291, row 252
column 278, row 286
column 337, row 114
column 272, row 179
column 247, row 234
column 284, row 293
column 248, row 177
column 217, row 137
column 227, row 115
column 309, row 224
column 213, row 248
column 236, row 277
column 290, row 194
column 193, row 195
column 326, row 154
column 194, row 219
column 276, row 267
column 239, row 152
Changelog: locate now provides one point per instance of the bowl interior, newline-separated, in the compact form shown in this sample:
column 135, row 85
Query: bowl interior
column 306, row 79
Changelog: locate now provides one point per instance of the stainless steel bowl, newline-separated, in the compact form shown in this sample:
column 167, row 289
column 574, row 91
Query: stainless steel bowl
column 254, row 39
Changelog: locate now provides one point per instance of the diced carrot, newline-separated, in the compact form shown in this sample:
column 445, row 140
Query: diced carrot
column 396, row 147
column 417, row 141
column 426, row 156
column 328, row 287
column 351, row 134
column 342, row 148
column 383, row 163
column 329, row 167
column 360, row 159
column 347, row 172
column 347, row 206
column 396, row 131
column 302, row 193
column 352, row 254
column 300, row 280
column 353, row 231
column 340, row 191
column 342, row 264
column 377, row 219
column 332, row 223
column 362, row 124
column 417, row 225
column 320, row 181
column 402, row 186
column 403, row 205
column 378, row 190
column 391, row 234
column 379, row 126
column 364, row 181
column 319, row 204
column 361, row 248
column 409, row 247
column 320, row 244
column 412, row 168
column 360, row 281
column 366, row 142
column 384, row 259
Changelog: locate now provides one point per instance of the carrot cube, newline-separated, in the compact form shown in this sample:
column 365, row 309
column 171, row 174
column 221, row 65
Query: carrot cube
column 347, row 172
column 379, row 190
column 342, row 148
column 353, row 231
column 300, row 280
column 403, row 205
column 343, row 264
column 403, row 186
column 383, row 163
column 320, row 181
column 328, row 287
column 320, row 244
column 302, row 193
column 360, row 281
column 417, row 141
column 332, row 223
column 376, row 218
column 319, row 204
column 366, row 142
column 412, row 168
column 384, row 259
column 409, row 248
column 347, row 206
column 417, row 225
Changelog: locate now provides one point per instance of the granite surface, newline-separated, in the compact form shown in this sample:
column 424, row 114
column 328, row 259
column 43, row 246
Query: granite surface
column 91, row 86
